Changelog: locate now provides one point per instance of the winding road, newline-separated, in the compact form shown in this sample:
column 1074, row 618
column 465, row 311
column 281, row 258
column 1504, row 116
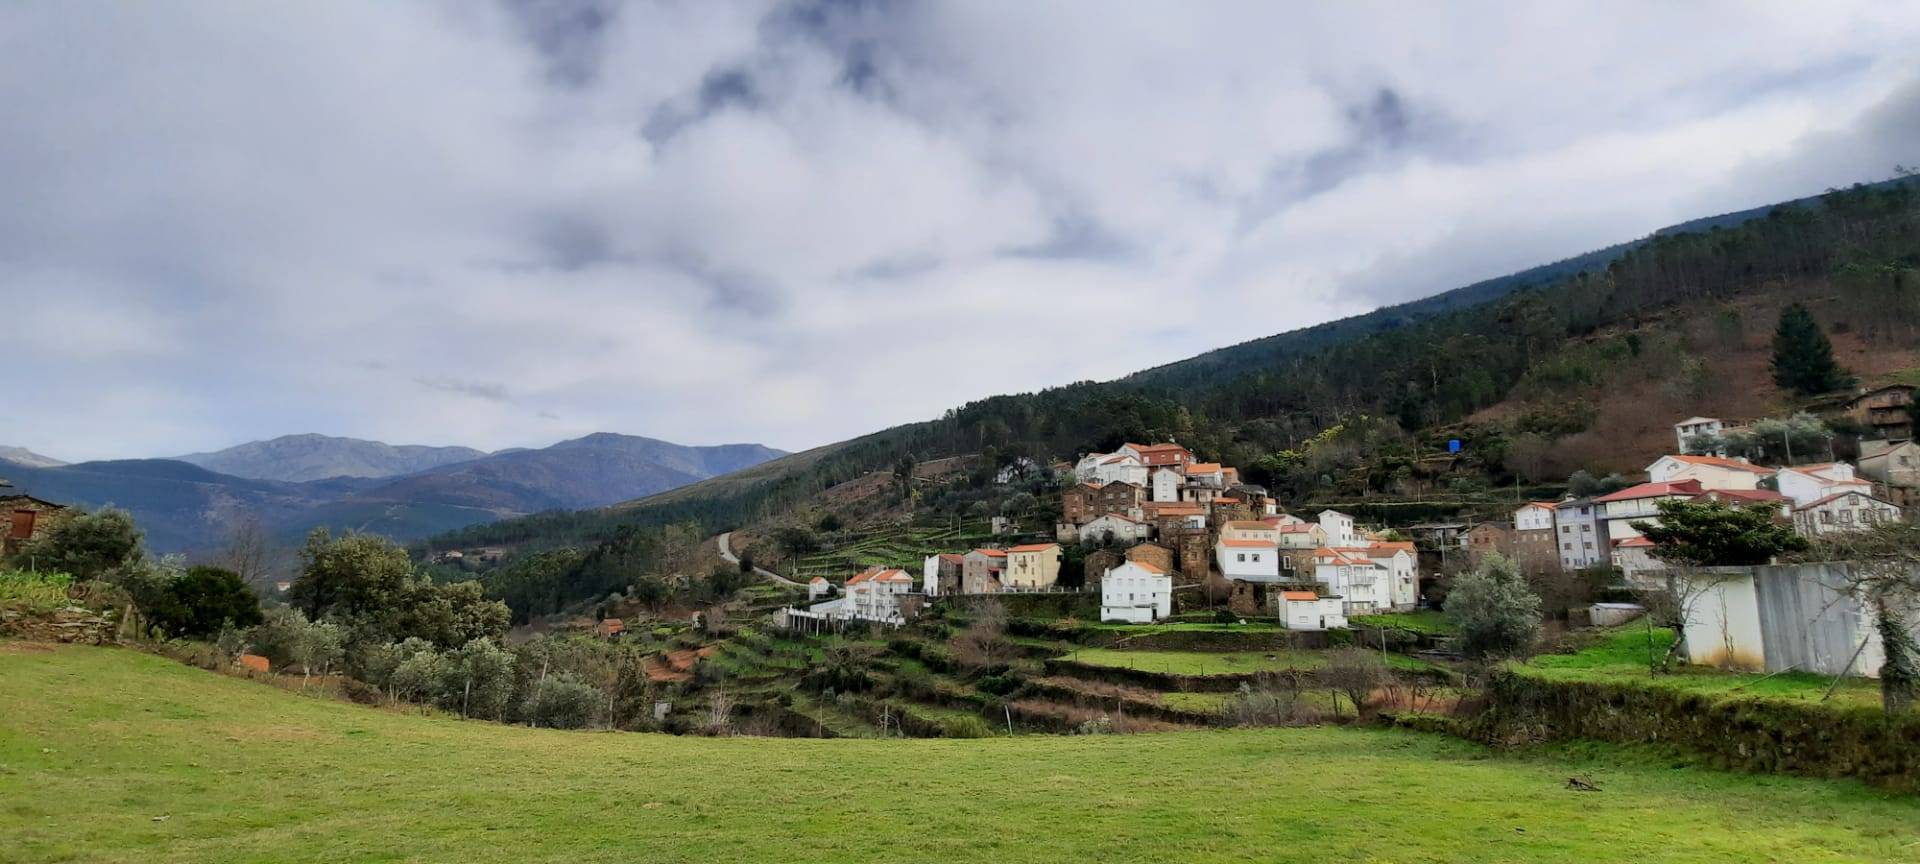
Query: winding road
column 726, row 552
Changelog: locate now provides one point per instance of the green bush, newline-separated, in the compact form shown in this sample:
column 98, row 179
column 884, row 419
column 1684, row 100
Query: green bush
column 562, row 701
column 965, row 726
column 34, row 591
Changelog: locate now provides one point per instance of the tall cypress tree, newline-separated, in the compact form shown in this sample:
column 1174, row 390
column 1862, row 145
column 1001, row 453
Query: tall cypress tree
column 1803, row 357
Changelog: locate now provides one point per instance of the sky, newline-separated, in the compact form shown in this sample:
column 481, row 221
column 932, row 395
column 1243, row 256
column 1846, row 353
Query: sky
column 512, row 223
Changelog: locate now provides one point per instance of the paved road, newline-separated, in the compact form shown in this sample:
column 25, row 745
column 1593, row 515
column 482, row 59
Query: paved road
column 726, row 552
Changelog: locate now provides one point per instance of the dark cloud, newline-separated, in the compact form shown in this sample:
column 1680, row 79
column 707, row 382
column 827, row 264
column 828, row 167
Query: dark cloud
column 569, row 34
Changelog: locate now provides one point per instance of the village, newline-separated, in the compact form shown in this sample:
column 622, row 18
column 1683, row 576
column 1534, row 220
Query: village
column 1162, row 532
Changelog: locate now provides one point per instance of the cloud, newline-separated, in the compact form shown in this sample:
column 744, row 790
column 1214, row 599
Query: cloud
column 795, row 222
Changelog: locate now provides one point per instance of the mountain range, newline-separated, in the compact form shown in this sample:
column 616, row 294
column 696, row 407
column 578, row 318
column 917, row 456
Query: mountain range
column 293, row 484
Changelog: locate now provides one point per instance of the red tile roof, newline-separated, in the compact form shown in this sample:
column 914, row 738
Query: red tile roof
column 1755, row 496
column 992, row 553
column 1035, row 547
column 1654, row 490
column 1148, row 567
column 1842, row 494
column 1299, row 595
column 1249, row 544
column 1633, row 543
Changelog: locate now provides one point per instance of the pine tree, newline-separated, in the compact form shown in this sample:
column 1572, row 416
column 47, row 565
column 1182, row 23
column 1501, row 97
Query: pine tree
column 1803, row 357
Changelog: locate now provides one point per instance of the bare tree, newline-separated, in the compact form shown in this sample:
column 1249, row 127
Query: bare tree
column 984, row 642
column 1354, row 673
column 720, row 713
column 249, row 551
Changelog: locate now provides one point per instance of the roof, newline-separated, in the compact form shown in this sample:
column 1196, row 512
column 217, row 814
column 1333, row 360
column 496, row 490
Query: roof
column 1633, row 543
column 1250, row 524
column 1391, row 546
column 1154, row 448
column 1540, row 504
column 1719, row 462
column 1299, row 595
column 1754, row 496
column 1035, row 547
column 1695, row 421
column 19, row 497
column 819, row 579
column 1298, row 528
column 952, row 556
column 1340, row 556
column 1250, row 544
column 880, row 574
column 1203, row 467
column 1842, row 494
column 1654, row 490
column 1120, row 516
column 1147, row 567
column 991, row 553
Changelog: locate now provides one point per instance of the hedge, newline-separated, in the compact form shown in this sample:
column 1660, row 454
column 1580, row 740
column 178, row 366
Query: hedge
column 1746, row 734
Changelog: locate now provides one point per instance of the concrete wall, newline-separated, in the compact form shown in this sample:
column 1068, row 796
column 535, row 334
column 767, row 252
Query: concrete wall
column 1784, row 617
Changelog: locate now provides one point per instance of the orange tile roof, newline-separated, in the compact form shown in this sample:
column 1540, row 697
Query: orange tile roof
column 1203, row 468
column 1299, row 595
column 1654, row 490
column 1035, row 547
column 1540, row 504
column 1148, row 567
column 1401, row 545
column 1152, row 448
column 1250, row 524
column 992, row 553
column 952, row 556
column 1250, row 544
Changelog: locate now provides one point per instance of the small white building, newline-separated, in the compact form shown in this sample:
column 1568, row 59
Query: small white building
column 1120, row 468
column 1357, row 579
column 1166, row 485
column 1533, row 516
column 1693, row 427
column 1248, row 560
column 1634, row 556
column 1400, row 564
column 1806, row 484
column 1338, row 527
column 1305, row 610
column 1136, row 593
column 1713, row 472
column 818, row 587
column 1841, row 512
column 1123, row 529
column 874, row 595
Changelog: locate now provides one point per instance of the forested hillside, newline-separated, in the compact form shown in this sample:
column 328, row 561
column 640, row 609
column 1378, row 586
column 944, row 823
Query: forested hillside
column 1531, row 376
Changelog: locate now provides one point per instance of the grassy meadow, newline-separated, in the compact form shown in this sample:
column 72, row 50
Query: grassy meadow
column 1220, row 662
column 107, row 755
column 1621, row 657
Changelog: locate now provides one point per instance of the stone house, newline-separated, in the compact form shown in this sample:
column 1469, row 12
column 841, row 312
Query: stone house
column 980, row 571
column 27, row 519
column 1884, row 411
column 1089, row 501
column 1160, row 557
column 943, row 574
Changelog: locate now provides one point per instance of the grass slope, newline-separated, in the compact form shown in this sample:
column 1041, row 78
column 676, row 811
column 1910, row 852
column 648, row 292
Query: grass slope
column 1622, row 657
column 96, row 745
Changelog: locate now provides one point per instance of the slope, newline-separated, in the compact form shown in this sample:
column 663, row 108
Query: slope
column 28, row 458
column 143, row 760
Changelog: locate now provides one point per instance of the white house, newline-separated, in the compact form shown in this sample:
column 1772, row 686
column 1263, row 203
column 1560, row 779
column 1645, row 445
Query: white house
column 1121, row 468
column 874, row 595
column 1713, row 472
column 1305, row 610
column 1166, row 485
column 1208, row 474
column 1135, row 592
column 1400, row 565
column 1301, row 535
column 1577, row 534
column 817, row 587
column 1123, row 529
column 1248, row 560
column 1617, row 512
column 1533, row 516
column 1339, row 528
column 1841, row 512
column 1806, row 484
column 1693, row 427
column 1357, row 579
column 1084, row 469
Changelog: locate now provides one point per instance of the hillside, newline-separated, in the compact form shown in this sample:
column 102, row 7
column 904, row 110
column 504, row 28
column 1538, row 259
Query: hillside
column 144, row 760
column 23, row 456
column 1574, row 365
column 185, row 507
column 299, row 458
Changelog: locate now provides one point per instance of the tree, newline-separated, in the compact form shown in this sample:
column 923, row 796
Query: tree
column 1803, row 357
column 352, row 575
column 562, row 701
column 1354, row 673
column 1495, row 612
column 248, row 551
column 201, row 601
column 1713, row 534
column 984, row 643
column 479, row 680
column 96, row 545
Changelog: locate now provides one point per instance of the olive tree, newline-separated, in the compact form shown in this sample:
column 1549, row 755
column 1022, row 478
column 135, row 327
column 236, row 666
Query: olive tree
column 1495, row 612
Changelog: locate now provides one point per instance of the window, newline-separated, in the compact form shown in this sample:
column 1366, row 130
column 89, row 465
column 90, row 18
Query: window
column 1243, row 556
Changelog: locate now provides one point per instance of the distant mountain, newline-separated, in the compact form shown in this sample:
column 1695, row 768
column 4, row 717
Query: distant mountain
column 23, row 456
column 186, row 507
column 299, row 458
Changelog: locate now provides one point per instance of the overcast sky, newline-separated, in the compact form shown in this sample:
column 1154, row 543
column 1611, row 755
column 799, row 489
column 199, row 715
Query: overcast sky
column 792, row 223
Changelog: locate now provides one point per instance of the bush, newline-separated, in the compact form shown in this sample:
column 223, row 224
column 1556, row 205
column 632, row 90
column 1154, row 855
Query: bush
column 34, row 592
column 1276, row 702
column 562, row 701
column 1494, row 611
column 997, row 685
column 201, row 601
column 965, row 727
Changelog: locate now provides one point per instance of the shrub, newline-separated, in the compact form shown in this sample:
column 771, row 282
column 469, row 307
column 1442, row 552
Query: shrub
column 201, row 601
column 562, row 701
column 1276, row 702
column 34, row 592
column 967, row 726
column 1495, row 612
column 998, row 685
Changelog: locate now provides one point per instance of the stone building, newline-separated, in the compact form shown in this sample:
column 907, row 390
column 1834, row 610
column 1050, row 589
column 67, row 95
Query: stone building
column 27, row 519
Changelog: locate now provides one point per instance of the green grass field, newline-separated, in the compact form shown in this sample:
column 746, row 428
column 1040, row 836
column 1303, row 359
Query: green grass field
column 1621, row 657
column 111, row 756
column 1427, row 622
